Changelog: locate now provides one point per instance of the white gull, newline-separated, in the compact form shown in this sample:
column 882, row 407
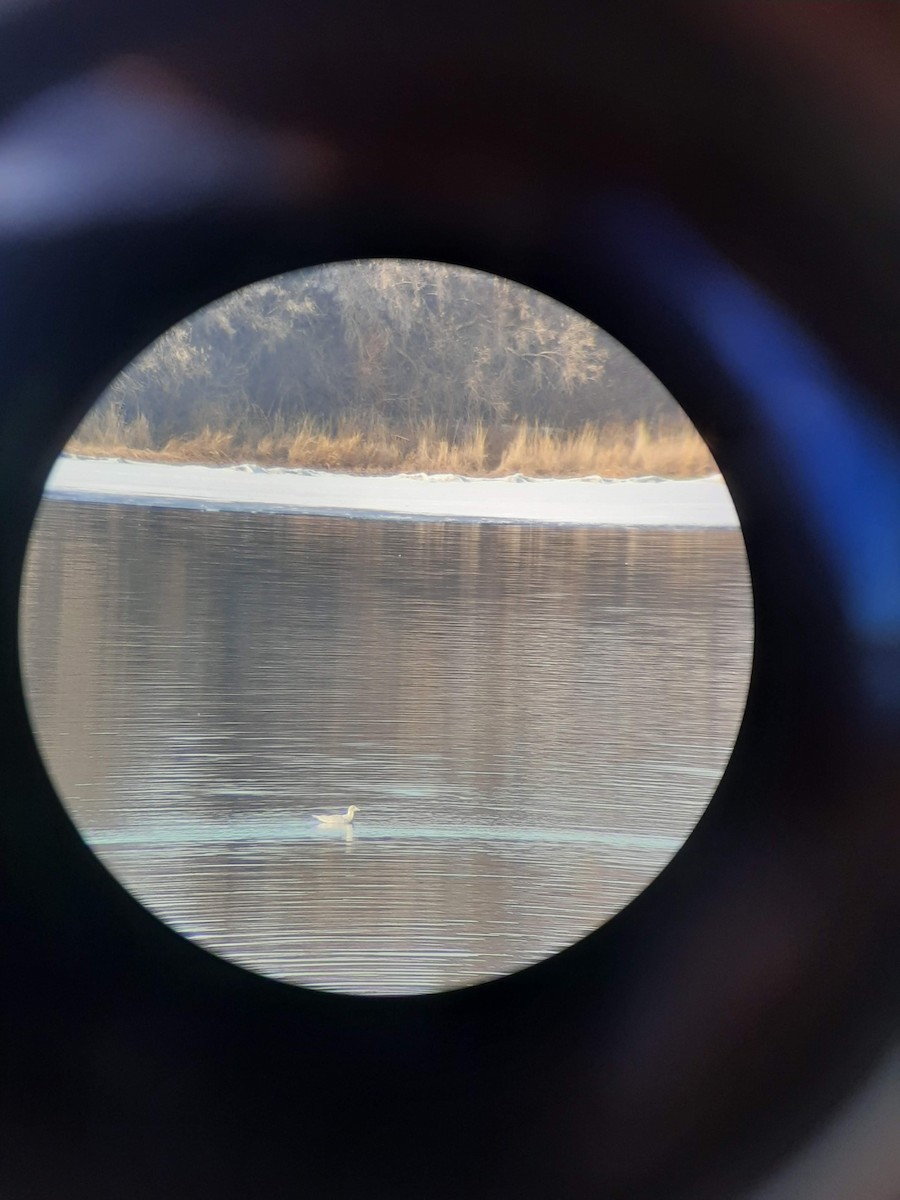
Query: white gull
column 337, row 818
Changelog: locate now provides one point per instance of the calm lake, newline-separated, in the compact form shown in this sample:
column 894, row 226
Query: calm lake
column 530, row 720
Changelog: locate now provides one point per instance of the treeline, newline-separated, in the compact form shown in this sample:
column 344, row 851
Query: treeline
column 387, row 344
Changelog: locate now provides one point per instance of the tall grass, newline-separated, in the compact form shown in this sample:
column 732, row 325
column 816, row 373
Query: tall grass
column 363, row 444
column 618, row 452
column 104, row 426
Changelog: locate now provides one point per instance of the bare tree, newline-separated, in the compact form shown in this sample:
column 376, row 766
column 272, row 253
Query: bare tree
column 400, row 341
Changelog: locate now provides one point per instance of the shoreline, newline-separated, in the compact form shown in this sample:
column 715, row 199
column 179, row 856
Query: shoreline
column 355, row 445
column 589, row 501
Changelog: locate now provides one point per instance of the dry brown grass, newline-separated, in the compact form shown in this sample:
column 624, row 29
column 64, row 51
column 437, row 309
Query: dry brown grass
column 620, row 452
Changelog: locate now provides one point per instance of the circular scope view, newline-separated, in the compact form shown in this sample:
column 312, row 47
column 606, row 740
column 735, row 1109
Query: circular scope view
column 386, row 627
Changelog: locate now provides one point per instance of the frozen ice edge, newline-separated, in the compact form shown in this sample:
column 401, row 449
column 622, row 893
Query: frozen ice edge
column 647, row 502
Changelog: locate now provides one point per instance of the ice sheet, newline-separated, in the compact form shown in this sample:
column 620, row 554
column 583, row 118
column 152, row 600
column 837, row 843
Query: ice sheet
column 647, row 502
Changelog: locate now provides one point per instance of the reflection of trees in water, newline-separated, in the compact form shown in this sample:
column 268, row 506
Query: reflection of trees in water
column 187, row 668
column 498, row 654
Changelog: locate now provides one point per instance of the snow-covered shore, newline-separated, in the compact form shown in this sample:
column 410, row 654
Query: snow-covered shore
column 648, row 503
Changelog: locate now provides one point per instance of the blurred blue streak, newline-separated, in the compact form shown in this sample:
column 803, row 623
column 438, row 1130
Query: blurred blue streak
column 837, row 461
column 106, row 147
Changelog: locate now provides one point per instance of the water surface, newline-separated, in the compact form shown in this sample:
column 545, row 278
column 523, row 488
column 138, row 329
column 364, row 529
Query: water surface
column 530, row 719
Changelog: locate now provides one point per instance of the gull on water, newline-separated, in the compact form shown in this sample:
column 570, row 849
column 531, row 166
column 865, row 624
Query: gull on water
column 337, row 818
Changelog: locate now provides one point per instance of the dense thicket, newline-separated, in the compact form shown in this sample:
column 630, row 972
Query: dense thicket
column 390, row 341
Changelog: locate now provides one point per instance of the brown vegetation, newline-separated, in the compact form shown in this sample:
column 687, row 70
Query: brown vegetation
column 390, row 341
column 372, row 447
column 385, row 366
